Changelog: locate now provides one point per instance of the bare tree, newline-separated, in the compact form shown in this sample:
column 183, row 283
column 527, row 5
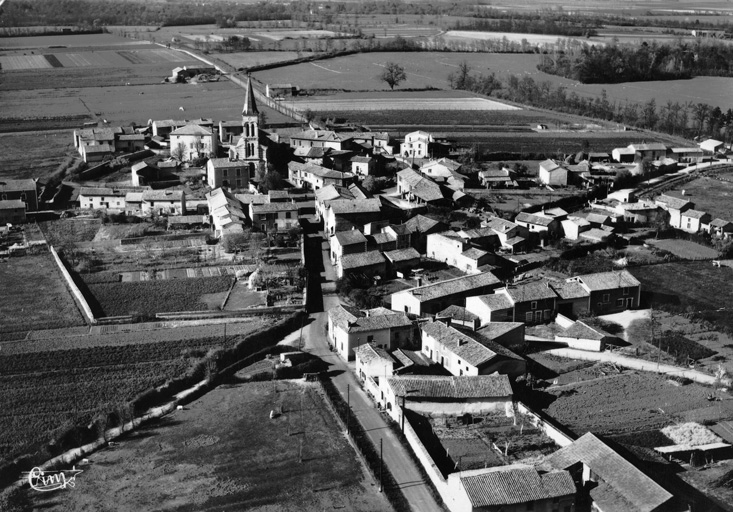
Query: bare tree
column 393, row 74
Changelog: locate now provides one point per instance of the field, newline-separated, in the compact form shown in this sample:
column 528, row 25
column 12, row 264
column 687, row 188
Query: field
column 427, row 101
column 59, row 232
column 689, row 286
column 150, row 297
column 711, row 195
column 532, row 39
column 685, row 249
column 41, row 392
column 249, row 59
column 224, row 453
column 21, row 148
column 33, row 295
column 430, row 69
column 631, row 401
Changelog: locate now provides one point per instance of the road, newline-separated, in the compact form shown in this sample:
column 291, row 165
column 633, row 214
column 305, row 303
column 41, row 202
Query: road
column 396, row 458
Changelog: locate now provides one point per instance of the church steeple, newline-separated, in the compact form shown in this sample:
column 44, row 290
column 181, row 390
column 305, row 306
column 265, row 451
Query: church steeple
column 250, row 107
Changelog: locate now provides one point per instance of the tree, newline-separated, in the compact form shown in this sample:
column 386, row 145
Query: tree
column 393, row 74
column 178, row 152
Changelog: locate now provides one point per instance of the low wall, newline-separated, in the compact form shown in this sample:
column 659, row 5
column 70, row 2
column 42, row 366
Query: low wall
column 188, row 315
column 563, row 321
column 428, row 464
column 78, row 296
column 553, row 432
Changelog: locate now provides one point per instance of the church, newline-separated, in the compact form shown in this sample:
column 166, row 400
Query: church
column 245, row 157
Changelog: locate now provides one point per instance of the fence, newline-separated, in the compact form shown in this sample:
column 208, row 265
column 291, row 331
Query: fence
column 75, row 292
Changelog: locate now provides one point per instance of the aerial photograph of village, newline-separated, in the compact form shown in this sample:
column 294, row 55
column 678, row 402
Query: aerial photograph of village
column 366, row 256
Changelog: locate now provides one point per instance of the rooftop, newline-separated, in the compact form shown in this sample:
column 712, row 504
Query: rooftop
column 402, row 255
column 496, row 301
column 350, row 237
column 100, row 192
column 474, row 253
column 438, row 386
column 192, row 129
column 493, row 330
column 531, row 218
column 354, row 320
column 536, row 290
column 694, row 214
column 17, row 185
column 422, row 224
column 370, row 352
column 453, row 286
column 346, row 206
column 473, row 351
column 607, row 280
column 457, row 312
column 672, row 202
column 364, row 259
column 274, row 207
column 509, row 485
column 226, row 163
column 11, row 204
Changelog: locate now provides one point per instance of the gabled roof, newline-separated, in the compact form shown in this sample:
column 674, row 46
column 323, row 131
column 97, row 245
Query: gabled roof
column 453, row 286
column 597, row 218
column 273, row 207
column 550, row 165
column 16, row 185
column 474, row 253
column 226, row 163
column 496, row 301
column 346, row 206
column 438, row 386
column 568, row 290
column 464, row 347
column 320, row 135
column 499, row 225
column 192, row 129
column 383, row 238
column 353, row 320
column 536, row 290
column 531, row 218
column 457, row 312
column 672, row 202
column 510, row 485
column 370, row 352
column 607, row 280
column 163, row 195
column 720, row 223
column 710, row 145
column 11, row 204
column 350, row 237
column 402, row 255
column 330, row 192
column 580, row 330
column 422, row 224
column 493, row 330
column 640, row 492
column 694, row 214
column 654, row 146
column 359, row 260
column 100, row 192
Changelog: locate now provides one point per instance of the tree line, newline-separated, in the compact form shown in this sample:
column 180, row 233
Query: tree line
column 684, row 119
column 648, row 61
column 529, row 26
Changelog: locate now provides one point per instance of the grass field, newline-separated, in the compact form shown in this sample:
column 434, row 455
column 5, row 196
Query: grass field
column 711, row 195
column 685, row 249
column 695, row 286
column 42, row 392
column 249, row 59
column 402, row 103
column 18, row 149
column 431, row 69
column 224, row 453
column 64, row 231
column 33, row 295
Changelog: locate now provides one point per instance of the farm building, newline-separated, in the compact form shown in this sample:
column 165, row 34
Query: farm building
column 461, row 354
column 720, row 228
column 610, row 292
column 651, row 151
column 419, row 228
column 692, row 221
column 512, row 488
column 192, row 141
column 24, row 190
column 553, row 174
column 370, row 264
column 321, row 139
column 511, row 236
column 623, row 155
column 229, row 131
column 537, row 222
column 378, row 142
column 438, row 395
column 181, row 74
column 349, row 328
column 458, row 317
column 532, row 303
column 344, row 215
column 498, row 178
column 95, row 153
column 686, row 155
column 346, row 242
column 130, row 142
column 675, row 206
column 164, row 127
column 611, row 482
column 102, row 198
column 432, row 298
column 281, row 90
column 642, row 212
column 445, row 171
column 573, row 226
column 506, row 334
column 584, row 337
column 402, row 260
column 164, row 202
column 12, row 211
column 483, row 238
column 413, row 186
column 711, row 146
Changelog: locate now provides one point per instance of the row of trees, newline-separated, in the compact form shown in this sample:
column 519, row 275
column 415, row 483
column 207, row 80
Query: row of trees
column 655, row 61
column 529, row 26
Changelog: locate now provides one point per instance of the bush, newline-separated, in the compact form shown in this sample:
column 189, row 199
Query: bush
column 682, row 348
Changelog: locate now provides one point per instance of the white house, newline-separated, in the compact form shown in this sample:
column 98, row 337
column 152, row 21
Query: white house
column 711, row 146
column 349, row 328
column 693, row 221
column 192, row 141
column 552, row 174
column 101, row 198
column 168, row 202
column 416, row 145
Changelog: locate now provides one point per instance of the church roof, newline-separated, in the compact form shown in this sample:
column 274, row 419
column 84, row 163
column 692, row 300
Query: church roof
column 250, row 107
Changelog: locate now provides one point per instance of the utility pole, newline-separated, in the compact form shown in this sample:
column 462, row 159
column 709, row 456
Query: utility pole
column 348, row 409
column 381, row 482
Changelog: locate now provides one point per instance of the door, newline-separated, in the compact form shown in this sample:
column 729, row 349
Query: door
column 538, row 317
column 629, row 303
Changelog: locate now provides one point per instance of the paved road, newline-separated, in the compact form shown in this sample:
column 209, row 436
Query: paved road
column 395, row 456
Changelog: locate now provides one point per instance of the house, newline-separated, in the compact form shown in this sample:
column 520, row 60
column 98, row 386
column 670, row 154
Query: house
column 652, row 151
column 711, row 146
column 192, row 141
column 439, row 395
column 610, row 481
column 363, row 165
column 229, row 131
column 506, row 334
column 573, row 299
column 130, row 142
column 164, row 202
column 610, row 292
column 458, row 317
column 349, row 328
column 598, row 220
column 686, row 155
column 370, row 264
column 623, row 155
column 95, row 153
column 598, row 157
column 372, row 364
column 12, row 211
column 641, row 212
column 498, row 178
column 275, row 216
column 346, row 242
column 461, row 354
column 445, row 171
column 281, row 90
column 329, row 193
column 321, row 139
column 400, row 233
column 416, row 145
column 228, row 213
column 675, row 206
column 24, row 190
column 537, row 223
column 95, row 137
column 402, row 260
column 101, row 198
column 314, row 176
column 163, row 128
column 511, row 235
column 344, row 214
column 531, row 302
column 413, row 186
column 483, row 238
column 229, row 173
column 450, row 248
column 432, row 298
column 420, row 227
column 720, row 228
column 692, row 221
column 573, row 226
column 382, row 242
column 379, row 141
column 582, row 336
column 553, row 174
column 133, row 203
column 512, row 488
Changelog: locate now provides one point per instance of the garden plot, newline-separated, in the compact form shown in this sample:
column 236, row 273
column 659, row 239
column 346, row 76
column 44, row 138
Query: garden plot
column 685, row 249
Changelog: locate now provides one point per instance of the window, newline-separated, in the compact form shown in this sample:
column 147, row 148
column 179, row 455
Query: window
column 287, row 215
column 239, row 172
column 461, row 373
column 533, row 305
column 22, row 196
column 528, row 317
column 626, row 290
column 606, row 297
column 239, row 183
column 370, row 338
column 224, row 173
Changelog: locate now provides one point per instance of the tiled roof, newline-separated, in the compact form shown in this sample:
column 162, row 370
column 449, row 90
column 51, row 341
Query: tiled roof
column 597, row 218
column 570, row 290
column 353, row 320
column 382, row 238
column 550, row 165
column 364, row 259
column 686, row 150
column 474, row 253
column 98, row 148
column 399, row 229
column 596, row 234
column 457, row 312
column 320, row 135
column 346, row 206
column 493, row 330
column 496, row 174
column 672, row 202
column 531, row 218
column 252, row 198
column 225, row 163
column 536, row 290
column 438, row 386
column 580, row 330
column 100, row 192
column 422, row 224
column 410, row 176
column 453, row 286
column 11, row 204
column 607, row 280
column 350, row 237
column 330, row 192
column 369, row 352
column 654, row 146
column 274, row 207
column 499, row 225
column 16, row 185
column 496, row 301
column 720, row 223
column 463, row 346
column 361, row 159
column 402, row 255
column 640, row 491
column 427, row 190
column 516, row 484
column 476, row 233
column 192, row 129
column 163, row 195
column 694, row 214
column 134, row 197
column 135, row 136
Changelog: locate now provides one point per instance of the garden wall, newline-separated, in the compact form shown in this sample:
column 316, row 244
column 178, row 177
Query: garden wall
column 78, row 296
column 562, row 439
